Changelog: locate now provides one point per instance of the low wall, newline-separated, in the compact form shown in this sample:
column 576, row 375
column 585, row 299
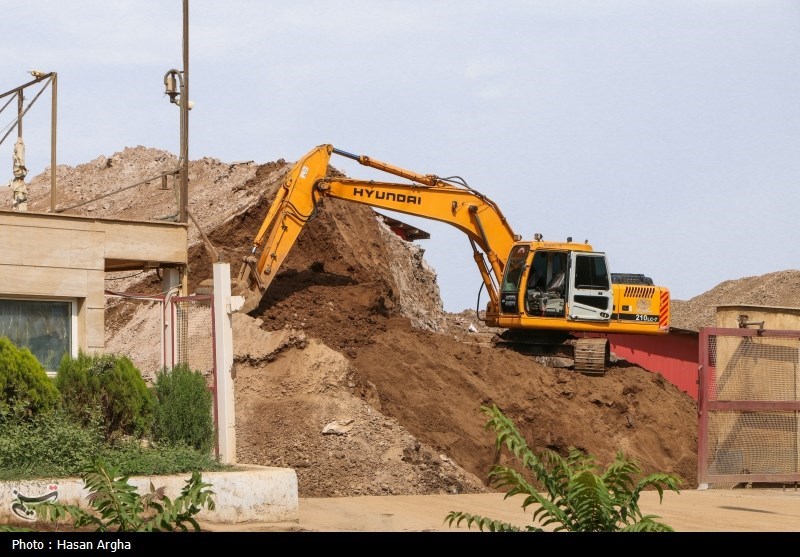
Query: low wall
column 251, row 494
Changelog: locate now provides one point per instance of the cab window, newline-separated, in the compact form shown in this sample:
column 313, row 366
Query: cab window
column 514, row 269
column 591, row 273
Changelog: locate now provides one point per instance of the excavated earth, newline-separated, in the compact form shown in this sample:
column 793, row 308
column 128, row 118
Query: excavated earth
column 350, row 372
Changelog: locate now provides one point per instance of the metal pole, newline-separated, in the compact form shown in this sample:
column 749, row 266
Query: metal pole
column 184, row 186
column 20, row 99
column 53, row 125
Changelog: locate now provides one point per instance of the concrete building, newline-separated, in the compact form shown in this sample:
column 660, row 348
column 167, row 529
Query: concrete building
column 52, row 275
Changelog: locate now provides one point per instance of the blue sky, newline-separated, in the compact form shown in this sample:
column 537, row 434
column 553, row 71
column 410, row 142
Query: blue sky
column 666, row 132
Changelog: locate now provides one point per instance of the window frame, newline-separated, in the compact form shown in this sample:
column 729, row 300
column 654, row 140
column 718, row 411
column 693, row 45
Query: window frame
column 73, row 319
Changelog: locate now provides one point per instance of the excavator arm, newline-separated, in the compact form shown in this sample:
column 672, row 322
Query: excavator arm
column 447, row 200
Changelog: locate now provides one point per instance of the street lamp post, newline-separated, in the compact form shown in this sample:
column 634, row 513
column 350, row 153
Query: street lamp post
column 180, row 96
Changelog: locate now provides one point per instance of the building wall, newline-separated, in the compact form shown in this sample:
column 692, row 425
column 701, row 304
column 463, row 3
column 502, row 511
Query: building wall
column 774, row 318
column 40, row 259
column 65, row 257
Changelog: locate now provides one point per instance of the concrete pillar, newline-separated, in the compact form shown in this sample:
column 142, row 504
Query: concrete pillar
column 224, row 306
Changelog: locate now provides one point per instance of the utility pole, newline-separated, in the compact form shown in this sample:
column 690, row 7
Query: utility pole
column 183, row 210
column 176, row 85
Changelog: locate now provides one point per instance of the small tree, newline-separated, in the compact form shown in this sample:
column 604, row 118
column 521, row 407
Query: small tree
column 184, row 407
column 118, row 507
column 25, row 388
column 108, row 384
column 578, row 495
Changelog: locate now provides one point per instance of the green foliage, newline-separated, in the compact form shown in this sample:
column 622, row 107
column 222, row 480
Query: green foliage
column 25, row 388
column 183, row 413
column 53, row 445
column 116, row 505
column 578, row 495
column 10, row 528
column 108, row 384
column 134, row 460
column 58, row 445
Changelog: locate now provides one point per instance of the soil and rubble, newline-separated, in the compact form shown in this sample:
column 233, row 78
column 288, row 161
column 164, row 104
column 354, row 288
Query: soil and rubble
column 349, row 371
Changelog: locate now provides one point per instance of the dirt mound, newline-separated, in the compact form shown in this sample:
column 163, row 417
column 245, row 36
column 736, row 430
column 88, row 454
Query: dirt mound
column 778, row 289
column 349, row 371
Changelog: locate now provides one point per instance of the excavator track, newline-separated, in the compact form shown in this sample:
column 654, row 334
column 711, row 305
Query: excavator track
column 589, row 356
column 592, row 355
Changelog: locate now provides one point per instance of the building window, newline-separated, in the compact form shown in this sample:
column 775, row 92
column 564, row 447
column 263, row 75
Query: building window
column 46, row 327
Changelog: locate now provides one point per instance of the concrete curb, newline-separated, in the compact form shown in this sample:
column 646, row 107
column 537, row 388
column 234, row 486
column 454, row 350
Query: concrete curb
column 249, row 494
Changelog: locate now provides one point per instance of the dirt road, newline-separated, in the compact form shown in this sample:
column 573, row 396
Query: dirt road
column 713, row 510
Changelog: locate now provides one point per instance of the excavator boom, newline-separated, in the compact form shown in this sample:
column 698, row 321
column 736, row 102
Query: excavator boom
column 425, row 196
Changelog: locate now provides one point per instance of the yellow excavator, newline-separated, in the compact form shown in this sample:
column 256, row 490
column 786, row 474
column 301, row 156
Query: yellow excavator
column 553, row 295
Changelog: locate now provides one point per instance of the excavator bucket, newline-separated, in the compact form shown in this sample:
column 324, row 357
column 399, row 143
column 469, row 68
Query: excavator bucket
column 251, row 297
column 246, row 284
column 241, row 285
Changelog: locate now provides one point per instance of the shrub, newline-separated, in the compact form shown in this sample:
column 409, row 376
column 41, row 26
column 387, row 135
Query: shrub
column 57, row 445
column 183, row 413
column 111, row 385
column 116, row 505
column 53, row 444
column 130, row 458
column 578, row 496
column 25, row 388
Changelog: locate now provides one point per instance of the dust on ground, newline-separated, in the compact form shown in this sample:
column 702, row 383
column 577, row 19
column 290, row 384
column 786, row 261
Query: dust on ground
column 349, row 371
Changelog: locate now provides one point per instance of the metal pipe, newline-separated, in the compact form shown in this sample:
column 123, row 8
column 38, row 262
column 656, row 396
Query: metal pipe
column 426, row 179
column 53, row 126
column 20, row 98
column 24, row 112
column 21, row 87
column 183, row 210
column 209, row 245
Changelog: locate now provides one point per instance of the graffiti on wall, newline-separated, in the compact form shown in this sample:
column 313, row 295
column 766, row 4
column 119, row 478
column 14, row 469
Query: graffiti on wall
column 24, row 506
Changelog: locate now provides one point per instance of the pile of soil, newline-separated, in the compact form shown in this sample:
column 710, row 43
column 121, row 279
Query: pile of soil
column 349, row 371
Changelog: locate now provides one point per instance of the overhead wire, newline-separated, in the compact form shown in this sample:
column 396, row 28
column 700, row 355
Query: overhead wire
column 30, row 104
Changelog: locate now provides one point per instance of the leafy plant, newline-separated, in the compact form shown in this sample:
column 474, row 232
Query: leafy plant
column 53, row 444
column 57, row 445
column 118, row 507
column 183, row 413
column 25, row 388
column 108, row 384
column 131, row 458
column 579, row 496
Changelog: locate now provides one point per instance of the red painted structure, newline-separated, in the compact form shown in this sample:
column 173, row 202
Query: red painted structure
column 675, row 356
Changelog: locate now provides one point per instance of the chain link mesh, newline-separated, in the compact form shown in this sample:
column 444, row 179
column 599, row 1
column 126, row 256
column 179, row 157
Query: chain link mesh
column 748, row 382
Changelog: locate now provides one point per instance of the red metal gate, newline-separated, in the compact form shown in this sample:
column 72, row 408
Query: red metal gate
column 749, row 403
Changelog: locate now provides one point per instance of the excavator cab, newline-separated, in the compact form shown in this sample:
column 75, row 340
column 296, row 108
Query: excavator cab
column 555, row 282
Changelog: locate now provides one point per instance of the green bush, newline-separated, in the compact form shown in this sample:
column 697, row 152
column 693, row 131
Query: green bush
column 49, row 445
column 111, row 386
column 57, row 445
column 117, row 506
column 133, row 459
column 25, row 388
column 183, row 413
column 571, row 494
